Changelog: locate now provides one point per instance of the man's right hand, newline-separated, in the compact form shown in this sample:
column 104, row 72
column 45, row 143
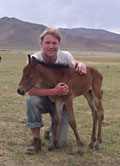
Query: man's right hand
column 62, row 89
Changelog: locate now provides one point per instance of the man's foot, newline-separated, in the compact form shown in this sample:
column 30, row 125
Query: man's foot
column 35, row 146
column 46, row 134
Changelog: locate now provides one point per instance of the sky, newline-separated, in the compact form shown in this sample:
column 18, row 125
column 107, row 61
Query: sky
column 93, row 14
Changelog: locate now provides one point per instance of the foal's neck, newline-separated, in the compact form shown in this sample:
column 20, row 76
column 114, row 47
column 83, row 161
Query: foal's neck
column 47, row 75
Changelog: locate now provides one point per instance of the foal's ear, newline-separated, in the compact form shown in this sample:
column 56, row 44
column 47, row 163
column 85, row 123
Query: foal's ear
column 33, row 61
column 29, row 58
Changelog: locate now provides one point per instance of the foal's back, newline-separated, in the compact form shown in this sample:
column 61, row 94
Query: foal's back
column 80, row 84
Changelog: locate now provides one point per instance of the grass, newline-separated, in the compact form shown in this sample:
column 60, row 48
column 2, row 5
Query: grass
column 15, row 136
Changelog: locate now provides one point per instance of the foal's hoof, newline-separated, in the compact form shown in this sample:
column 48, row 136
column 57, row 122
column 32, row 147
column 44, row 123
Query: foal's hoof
column 51, row 147
column 96, row 147
column 80, row 153
column 90, row 146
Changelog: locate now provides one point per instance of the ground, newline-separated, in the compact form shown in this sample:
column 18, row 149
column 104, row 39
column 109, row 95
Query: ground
column 15, row 136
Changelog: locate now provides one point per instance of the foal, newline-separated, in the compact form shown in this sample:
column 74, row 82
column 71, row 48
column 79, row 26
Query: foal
column 88, row 85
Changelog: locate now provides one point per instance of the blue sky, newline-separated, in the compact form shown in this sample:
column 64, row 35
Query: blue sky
column 95, row 14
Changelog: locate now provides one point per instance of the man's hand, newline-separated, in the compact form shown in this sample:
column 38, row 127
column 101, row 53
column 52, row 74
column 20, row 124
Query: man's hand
column 62, row 89
column 80, row 68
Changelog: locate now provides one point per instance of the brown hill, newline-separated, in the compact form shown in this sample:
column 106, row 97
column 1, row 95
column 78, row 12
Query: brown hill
column 15, row 33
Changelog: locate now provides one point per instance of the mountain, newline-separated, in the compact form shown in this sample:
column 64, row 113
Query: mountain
column 95, row 38
column 15, row 33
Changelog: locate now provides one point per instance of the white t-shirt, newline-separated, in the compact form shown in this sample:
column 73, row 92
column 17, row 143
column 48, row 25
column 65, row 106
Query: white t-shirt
column 63, row 57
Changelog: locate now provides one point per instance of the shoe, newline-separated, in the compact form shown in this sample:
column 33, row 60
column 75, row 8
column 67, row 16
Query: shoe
column 46, row 134
column 34, row 147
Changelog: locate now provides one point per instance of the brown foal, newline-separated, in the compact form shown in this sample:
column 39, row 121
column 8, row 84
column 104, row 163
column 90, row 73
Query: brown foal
column 88, row 85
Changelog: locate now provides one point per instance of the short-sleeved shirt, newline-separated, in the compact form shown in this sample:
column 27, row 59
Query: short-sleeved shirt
column 63, row 57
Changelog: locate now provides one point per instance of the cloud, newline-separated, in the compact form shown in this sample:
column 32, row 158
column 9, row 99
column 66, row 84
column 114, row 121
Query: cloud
column 100, row 14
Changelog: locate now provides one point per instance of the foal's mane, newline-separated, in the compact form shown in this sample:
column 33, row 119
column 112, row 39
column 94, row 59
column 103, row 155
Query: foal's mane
column 53, row 65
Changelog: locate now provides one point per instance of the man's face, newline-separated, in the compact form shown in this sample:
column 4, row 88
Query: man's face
column 50, row 46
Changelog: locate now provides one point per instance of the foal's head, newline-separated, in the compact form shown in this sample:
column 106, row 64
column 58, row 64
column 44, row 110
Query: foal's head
column 29, row 78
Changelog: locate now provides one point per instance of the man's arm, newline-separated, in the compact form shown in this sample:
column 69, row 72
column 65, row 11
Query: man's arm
column 59, row 90
column 72, row 62
column 80, row 68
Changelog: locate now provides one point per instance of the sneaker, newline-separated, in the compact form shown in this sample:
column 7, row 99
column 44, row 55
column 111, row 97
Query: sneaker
column 46, row 134
column 34, row 147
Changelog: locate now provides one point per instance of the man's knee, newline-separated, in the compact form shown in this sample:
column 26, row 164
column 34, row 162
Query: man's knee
column 33, row 101
column 33, row 112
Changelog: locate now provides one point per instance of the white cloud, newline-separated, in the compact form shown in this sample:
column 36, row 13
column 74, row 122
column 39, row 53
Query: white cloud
column 99, row 14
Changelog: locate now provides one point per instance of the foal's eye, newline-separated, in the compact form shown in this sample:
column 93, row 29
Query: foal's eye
column 28, row 76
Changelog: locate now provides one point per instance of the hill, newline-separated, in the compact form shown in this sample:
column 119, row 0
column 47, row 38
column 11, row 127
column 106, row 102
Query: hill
column 15, row 33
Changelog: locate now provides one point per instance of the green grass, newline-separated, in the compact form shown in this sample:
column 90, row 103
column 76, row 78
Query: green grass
column 15, row 136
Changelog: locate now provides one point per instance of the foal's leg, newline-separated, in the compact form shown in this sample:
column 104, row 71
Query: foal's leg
column 56, row 121
column 100, row 117
column 90, row 101
column 72, row 122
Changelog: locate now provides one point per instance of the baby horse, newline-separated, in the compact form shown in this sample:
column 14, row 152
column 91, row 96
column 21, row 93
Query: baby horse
column 88, row 85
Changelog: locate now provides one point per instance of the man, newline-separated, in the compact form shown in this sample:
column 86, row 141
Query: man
column 38, row 102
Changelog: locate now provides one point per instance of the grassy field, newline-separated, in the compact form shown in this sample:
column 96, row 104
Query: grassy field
column 15, row 136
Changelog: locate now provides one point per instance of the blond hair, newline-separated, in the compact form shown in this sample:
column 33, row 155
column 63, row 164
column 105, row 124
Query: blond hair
column 51, row 31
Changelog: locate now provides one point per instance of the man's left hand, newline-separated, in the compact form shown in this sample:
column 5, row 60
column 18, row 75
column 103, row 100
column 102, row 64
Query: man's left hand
column 80, row 68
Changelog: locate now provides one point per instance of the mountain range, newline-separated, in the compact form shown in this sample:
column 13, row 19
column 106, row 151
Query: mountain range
column 15, row 33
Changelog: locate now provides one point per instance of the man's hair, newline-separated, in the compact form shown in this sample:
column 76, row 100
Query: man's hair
column 51, row 31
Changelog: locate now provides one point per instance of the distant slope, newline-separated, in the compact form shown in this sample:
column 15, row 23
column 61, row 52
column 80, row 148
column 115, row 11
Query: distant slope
column 15, row 33
column 95, row 38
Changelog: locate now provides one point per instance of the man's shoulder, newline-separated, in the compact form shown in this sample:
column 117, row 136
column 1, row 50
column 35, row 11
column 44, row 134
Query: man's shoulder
column 61, row 52
column 36, row 53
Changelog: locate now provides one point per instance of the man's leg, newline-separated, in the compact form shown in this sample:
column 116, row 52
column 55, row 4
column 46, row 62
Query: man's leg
column 35, row 109
column 36, row 106
column 63, row 130
column 35, row 132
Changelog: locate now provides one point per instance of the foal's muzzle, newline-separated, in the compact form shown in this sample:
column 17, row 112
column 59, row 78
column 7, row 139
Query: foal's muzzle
column 20, row 92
